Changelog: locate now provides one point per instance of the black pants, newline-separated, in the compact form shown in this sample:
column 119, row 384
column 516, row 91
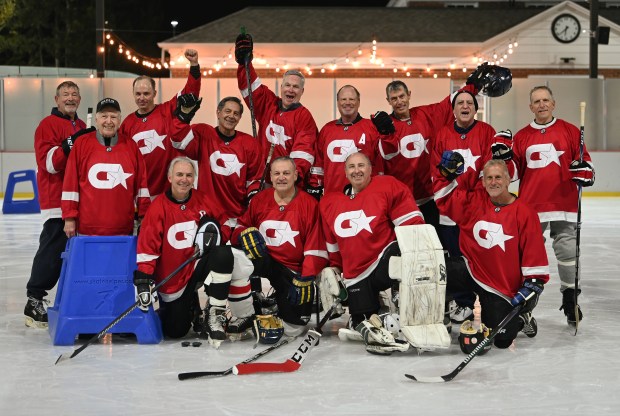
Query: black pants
column 281, row 279
column 431, row 213
column 177, row 316
column 494, row 307
column 364, row 295
column 47, row 263
column 449, row 237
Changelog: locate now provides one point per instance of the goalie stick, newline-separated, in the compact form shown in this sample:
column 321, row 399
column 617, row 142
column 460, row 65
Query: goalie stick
column 294, row 363
column 440, row 379
column 96, row 337
column 213, row 374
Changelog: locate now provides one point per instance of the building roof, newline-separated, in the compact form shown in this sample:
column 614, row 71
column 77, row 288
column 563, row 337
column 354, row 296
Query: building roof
column 337, row 24
column 321, row 36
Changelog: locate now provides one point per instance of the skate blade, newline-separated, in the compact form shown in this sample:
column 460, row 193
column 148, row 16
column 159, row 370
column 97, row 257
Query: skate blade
column 215, row 343
column 31, row 323
column 247, row 334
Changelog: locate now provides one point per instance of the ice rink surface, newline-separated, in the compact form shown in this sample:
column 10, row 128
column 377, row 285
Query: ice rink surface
column 555, row 373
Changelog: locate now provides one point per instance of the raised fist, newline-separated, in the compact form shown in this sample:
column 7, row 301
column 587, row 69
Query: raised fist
column 383, row 122
column 243, row 49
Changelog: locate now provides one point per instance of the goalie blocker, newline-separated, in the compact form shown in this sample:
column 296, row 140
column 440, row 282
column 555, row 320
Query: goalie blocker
column 421, row 271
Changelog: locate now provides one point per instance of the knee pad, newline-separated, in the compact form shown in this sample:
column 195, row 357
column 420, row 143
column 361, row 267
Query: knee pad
column 221, row 259
column 565, row 247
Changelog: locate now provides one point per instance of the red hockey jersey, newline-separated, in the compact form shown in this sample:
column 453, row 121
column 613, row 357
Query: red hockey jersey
column 151, row 132
column 502, row 245
column 166, row 240
column 103, row 185
column 407, row 151
column 51, row 160
column 359, row 227
column 338, row 140
column 543, row 154
column 229, row 170
column 292, row 232
column 292, row 131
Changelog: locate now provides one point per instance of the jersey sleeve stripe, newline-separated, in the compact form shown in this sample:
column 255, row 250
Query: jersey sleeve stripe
column 398, row 221
column 71, row 196
column 318, row 253
column 49, row 164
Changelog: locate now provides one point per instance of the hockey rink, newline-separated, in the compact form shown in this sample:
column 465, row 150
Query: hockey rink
column 555, row 373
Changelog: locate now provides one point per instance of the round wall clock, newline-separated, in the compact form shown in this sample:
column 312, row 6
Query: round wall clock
column 565, row 28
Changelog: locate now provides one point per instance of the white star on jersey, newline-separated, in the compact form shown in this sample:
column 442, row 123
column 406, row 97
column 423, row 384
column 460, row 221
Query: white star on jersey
column 114, row 175
column 151, row 139
column 282, row 233
column 547, row 154
column 119, row 177
column 470, row 159
column 419, row 145
column 275, row 134
column 494, row 235
column 345, row 146
column 357, row 221
column 231, row 163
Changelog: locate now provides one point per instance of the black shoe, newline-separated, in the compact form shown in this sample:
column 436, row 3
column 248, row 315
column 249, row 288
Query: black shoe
column 36, row 315
column 568, row 306
column 198, row 321
column 529, row 326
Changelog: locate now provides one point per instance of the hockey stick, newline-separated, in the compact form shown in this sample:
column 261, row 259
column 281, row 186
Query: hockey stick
column 212, row 374
column 96, row 337
column 582, row 105
column 440, row 379
column 250, row 98
column 253, row 118
column 293, row 363
column 89, row 117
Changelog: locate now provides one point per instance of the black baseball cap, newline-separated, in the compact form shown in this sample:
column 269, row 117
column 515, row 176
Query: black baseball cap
column 108, row 102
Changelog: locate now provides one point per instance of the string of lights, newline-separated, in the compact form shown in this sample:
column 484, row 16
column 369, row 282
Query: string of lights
column 114, row 43
column 367, row 55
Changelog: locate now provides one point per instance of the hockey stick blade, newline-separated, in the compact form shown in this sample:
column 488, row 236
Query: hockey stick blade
column 213, row 374
column 288, row 366
column 68, row 356
column 294, row 363
column 448, row 377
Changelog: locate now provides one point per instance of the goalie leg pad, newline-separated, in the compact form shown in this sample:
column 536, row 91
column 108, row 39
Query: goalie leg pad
column 422, row 274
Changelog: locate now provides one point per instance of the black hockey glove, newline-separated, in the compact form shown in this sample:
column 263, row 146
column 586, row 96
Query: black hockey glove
column 302, row 290
column 187, row 105
column 253, row 243
column 502, row 145
column 67, row 144
column 243, row 49
column 315, row 191
column 452, row 164
column 383, row 122
column 249, row 196
column 208, row 235
column 582, row 172
column 143, row 282
column 528, row 294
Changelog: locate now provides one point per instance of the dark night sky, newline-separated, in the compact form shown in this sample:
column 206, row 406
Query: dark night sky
column 188, row 18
